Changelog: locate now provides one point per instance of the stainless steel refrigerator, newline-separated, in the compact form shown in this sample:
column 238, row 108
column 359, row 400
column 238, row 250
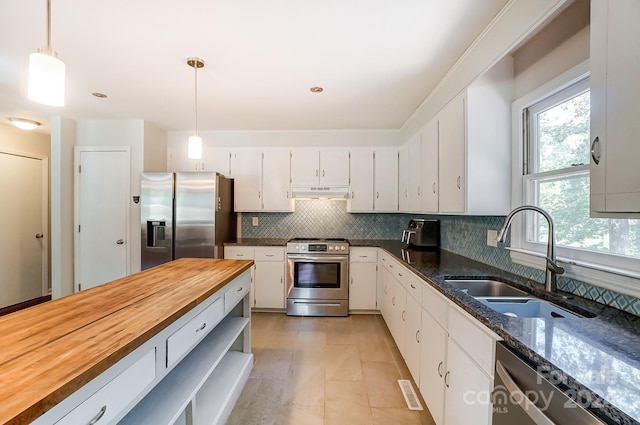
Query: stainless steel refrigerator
column 185, row 215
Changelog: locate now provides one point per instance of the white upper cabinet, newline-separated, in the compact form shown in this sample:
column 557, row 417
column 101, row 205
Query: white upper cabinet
column 474, row 144
column 615, row 100
column 313, row 167
column 216, row 159
column 276, row 181
column 177, row 160
column 414, row 150
column 429, row 167
column 246, row 170
column 361, row 186
column 385, row 171
column 403, row 178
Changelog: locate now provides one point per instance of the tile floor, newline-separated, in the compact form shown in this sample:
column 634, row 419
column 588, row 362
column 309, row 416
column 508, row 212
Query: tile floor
column 324, row 371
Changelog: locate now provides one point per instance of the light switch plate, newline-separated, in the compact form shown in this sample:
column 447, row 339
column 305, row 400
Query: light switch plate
column 491, row 237
column 254, row 221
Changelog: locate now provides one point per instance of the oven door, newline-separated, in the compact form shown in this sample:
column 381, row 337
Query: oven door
column 317, row 276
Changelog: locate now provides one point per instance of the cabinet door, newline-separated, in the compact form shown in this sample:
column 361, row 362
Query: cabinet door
column 398, row 313
column 429, row 167
column 433, row 366
column 276, row 195
column 305, row 167
column 177, row 160
column 386, row 307
column 361, row 186
column 334, row 167
column 615, row 100
column 412, row 337
column 216, row 159
column 269, row 284
column 451, row 125
column 362, row 286
column 385, row 172
column 467, row 389
column 403, row 178
column 246, row 168
column 415, row 174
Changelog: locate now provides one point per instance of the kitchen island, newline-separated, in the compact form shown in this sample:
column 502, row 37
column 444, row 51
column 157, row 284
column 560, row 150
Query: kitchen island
column 59, row 355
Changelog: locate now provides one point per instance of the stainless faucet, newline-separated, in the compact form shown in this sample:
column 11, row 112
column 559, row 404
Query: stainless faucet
column 552, row 268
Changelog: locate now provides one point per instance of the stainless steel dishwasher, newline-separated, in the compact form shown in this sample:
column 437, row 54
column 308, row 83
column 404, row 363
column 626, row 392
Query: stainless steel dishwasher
column 523, row 396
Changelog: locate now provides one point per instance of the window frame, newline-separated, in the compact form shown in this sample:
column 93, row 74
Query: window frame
column 609, row 271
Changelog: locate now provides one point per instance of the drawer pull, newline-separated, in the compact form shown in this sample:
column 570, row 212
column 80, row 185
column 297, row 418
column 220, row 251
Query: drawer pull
column 399, row 274
column 440, row 368
column 418, row 336
column 240, row 289
column 413, row 287
column 363, row 256
column 239, row 255
column 268, row 255
column 403, row 312
column 204, row 325
column 99, row 416
column 446, row 378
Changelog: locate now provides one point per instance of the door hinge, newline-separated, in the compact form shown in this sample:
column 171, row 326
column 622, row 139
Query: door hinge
column 79, row 286
column 78, row 228
column 79, row 168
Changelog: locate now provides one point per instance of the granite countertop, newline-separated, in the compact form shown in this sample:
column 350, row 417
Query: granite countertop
column 258, row 242
column 596, row 359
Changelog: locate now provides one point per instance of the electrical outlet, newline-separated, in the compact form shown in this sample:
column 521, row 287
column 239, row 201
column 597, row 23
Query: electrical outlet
column 491, row 238
column 254, row 221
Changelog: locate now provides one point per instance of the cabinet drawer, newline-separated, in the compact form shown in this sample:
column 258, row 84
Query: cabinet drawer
column 413, row 285
column 238, row 253
column 109, row 401
column 236, row 291
column 400, row 272
column 268, row 254
column 475, row 340
column 359, row 255
column 182, row 340
column 435, row 304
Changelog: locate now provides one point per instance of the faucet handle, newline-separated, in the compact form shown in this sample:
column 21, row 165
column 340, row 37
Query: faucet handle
column 553, row 266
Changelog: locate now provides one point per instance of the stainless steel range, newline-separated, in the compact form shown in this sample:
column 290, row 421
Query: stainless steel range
column 317, row 277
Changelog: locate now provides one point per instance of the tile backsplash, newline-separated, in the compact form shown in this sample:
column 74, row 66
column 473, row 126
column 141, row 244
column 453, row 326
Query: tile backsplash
column 464, row 235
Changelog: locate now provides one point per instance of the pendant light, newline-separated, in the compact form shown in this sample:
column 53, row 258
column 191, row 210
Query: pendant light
column 194, row 150
column 46, row 73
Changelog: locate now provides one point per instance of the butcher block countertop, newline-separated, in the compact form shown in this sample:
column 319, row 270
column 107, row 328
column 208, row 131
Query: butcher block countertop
column 51, row 350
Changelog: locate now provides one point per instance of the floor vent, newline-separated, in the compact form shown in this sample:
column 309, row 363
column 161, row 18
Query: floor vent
column 409, row 394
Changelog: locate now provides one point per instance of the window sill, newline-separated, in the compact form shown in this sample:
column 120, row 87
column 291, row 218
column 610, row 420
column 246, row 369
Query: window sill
column 621, row 281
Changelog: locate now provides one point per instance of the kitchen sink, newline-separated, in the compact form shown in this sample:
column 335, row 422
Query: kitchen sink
column 527, row 307
column 510, row 301
column 486, row 288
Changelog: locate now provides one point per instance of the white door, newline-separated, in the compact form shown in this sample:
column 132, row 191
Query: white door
column 102, row 215
column 23, row 251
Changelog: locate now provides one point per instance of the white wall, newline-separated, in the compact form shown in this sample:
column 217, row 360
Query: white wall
column 30, row 142
column 63, row 139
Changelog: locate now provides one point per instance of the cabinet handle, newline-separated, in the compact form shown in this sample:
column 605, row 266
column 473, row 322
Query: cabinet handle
column 377, row 195
column 269, row 255
column 316, row 173
column 390, row 265
column 418, row 190
column 446, row 378
column 406, row 195
column 363, row 256
column 434, row 187
column 403, row 314
column 322, row 173
column 39, row 236
column 239, row 255
column 418, row 336
column 204, row 325
column 440, row 368
column 120, row 241
column 287, row 194
column 99, row 416
column 458, row 182
column 393, row 301
column 412, row 286
column 240, row 289
column 595, row 150
column 258, row 194
column 351, row 194
column 352, row 280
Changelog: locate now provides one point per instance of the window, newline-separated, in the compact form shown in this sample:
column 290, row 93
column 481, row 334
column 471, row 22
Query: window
column 555, row 176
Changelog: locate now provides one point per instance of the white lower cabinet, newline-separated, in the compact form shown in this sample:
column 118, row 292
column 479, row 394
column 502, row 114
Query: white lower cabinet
column 267, row 288
column 449, row 353
column 363, row 272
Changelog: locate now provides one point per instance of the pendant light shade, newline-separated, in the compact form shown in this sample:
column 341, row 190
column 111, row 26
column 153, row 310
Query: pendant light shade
column 46, row 73
column 46, row 79
column 194, row 149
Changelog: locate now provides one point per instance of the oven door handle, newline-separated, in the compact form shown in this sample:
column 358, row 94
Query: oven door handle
column 318, row 258
column 516, row 394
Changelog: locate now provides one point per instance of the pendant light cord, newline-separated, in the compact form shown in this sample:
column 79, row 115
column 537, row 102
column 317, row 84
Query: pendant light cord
column 196, row 96
column 49, row 25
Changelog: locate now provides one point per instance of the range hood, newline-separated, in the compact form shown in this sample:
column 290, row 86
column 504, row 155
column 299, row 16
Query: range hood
column 324, row 192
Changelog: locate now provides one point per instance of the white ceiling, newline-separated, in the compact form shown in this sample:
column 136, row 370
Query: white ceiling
column 377, row 60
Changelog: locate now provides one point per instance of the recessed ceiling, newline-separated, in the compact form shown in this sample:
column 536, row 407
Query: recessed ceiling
column 377, row 60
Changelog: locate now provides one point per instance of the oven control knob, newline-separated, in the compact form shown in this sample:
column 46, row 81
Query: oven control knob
column 298, row 247
column 342, row 248
column 330, row 247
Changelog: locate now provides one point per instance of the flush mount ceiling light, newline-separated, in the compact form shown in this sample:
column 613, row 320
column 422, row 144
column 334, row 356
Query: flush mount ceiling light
column 194, row 150
column 24, row 124
column 316, row 89
column 46, row 73
column 98, row 94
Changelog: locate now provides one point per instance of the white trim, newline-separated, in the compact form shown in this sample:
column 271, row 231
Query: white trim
column 615, row 278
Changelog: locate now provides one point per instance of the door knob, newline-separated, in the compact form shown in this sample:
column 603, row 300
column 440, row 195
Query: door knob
column 120, row 241
column 39, row 236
